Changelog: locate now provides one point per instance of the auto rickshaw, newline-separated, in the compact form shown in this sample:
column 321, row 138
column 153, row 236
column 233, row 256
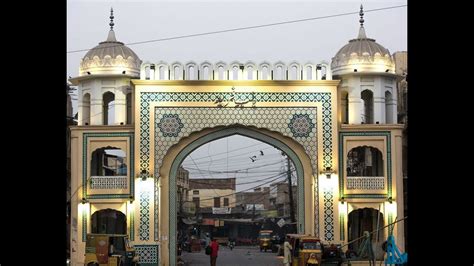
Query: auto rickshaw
column 305, row 249
column 265, row 240
column 109, row 250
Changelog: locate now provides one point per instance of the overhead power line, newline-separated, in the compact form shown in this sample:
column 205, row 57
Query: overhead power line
column 246, row 28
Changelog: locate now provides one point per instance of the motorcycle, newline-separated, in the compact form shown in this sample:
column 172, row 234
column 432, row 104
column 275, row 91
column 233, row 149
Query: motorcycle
column 231, row 244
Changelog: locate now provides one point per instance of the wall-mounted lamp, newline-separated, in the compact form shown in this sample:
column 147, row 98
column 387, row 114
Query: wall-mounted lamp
column 88, row 73
column 123, row 72
column 131, row 199
column 327, row 172
column 84, row 201
column 387, row 70
column 355, row 69
column 390, row 200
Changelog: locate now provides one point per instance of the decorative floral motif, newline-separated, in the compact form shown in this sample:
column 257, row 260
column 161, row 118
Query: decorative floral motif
column 301, row 125
column 170, row 125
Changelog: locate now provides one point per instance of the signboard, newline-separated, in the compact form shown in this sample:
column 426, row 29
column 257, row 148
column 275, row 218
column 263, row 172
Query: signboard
column 258, row 207
column 189, row 208
column 221, row 210
column 207, row 221
column 281, row 222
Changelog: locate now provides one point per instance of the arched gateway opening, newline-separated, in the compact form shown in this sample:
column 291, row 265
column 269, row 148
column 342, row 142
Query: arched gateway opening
column 171, row 171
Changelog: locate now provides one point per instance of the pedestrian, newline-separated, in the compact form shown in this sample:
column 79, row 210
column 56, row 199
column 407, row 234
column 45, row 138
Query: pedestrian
column 215, row 249
column 287, row 252
column 208, row 240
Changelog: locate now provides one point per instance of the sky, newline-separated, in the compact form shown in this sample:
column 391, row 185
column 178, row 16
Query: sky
column 309, row 41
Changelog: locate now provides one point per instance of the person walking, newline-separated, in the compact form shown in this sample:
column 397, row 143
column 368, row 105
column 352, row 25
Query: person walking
column 287, row 252
column 215, row 249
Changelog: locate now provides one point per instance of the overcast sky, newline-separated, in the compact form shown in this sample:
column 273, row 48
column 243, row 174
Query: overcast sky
column 315, row 40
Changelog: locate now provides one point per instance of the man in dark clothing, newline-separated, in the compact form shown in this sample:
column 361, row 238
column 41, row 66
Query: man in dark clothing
column 215, row 249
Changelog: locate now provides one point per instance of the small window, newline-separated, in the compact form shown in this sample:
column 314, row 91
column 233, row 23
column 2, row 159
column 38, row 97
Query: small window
column 195, row 192
column 217, row 202
column 226, row 202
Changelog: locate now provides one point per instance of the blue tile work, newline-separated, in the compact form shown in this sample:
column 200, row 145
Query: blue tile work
column 342, row 162
column 148, row 254
column 147, row 97
column 157, row 202
column 170, row 125
column 301, row 125
column 144, row 226
column 328, row 215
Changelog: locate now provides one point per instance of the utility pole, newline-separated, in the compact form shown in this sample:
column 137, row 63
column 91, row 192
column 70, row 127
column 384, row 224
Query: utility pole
column 292, row 210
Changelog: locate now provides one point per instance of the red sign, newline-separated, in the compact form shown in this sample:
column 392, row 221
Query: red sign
column 208, row 221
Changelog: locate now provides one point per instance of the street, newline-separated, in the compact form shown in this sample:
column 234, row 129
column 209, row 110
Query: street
column 242, row 255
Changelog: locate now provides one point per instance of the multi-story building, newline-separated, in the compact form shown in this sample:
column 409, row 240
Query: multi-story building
column 212, row 192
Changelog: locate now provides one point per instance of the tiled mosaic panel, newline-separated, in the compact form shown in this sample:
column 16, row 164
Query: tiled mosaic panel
column 155, row 213
column 328, row 215
column 275, row 119
column 147, row 97
column 148, row 254
column 144, row 227
column 371, row 183
column 109, row 182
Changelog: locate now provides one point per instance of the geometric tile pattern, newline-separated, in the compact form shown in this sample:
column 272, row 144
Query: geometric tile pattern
column 170, row 125
column 148, row 254
column 328, row 215
column 155, row 213
column 301, row 125
column 197, row 118
column 109, row 182
column 148, row 97
column 365, row 182
column 144, row 215
column 272, row 118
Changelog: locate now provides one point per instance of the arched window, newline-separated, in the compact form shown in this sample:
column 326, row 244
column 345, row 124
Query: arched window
column 147, row 72
column 309, row 73
column 205, row 74
column 265, row 73
column 86, row 109
column 368, row 109
column 108, row 108
column 176, row 72
column 249, row 72
column 191, row 73
column 235, row 73
column 294, row 73
column 364, row 161
column 388, row 108
column 109, row 221
column 279, row 73
column 221, row 72
column 108, row 161
column 129, row 108
column 162, row 72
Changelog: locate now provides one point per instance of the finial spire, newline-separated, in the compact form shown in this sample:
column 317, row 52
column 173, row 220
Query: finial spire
column 111, row 19
column 361, row 14
column 361, row 21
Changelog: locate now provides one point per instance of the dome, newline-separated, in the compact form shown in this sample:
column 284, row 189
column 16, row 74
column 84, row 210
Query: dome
column 362, row 55
column 110, row 57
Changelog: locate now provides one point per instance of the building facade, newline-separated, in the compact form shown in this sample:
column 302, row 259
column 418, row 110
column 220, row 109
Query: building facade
column 212, row 192
column 337, row 123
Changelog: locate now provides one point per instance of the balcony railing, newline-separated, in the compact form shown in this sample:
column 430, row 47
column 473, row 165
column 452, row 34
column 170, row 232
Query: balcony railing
column 109, row 182
column 365, row 182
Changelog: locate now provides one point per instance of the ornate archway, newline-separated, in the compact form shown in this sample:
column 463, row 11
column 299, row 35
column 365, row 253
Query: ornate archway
column 177, row 153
